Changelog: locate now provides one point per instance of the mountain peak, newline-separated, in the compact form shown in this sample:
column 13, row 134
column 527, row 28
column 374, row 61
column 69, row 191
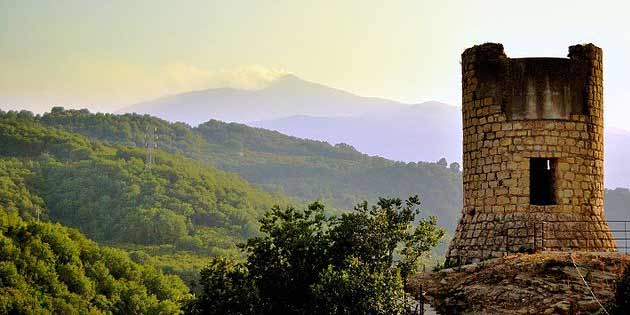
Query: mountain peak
column 290, row 80
column 287, row 95
column 288, row 77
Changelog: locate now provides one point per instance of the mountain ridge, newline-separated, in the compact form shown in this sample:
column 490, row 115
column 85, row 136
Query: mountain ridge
column 423, row 132
column 307, row 170
column 284, row 96
column 397, row 131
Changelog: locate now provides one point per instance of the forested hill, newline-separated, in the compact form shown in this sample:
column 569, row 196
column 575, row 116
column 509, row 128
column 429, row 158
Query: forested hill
column 308, row 170
column 178, row 205
column 46, row 268
column 88, row 172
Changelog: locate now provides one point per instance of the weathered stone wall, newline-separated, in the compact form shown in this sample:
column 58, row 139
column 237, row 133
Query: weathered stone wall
column 565, row 122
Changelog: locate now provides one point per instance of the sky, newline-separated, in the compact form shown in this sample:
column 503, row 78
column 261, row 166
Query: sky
column 105, row 55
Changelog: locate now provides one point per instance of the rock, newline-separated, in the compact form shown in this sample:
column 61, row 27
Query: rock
column 588, row 305
column 525, row 284
column 562, row 307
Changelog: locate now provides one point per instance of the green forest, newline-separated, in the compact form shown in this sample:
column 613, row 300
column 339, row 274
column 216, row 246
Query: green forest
column 46, row 268
column 88, row 172
column 173, row 216
column 305, row 170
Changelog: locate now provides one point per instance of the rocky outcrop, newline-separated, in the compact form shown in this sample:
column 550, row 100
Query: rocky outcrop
column 546, row 283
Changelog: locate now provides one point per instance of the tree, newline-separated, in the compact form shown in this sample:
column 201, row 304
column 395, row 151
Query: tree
column 455, row 167
column 374, row 234
column 442, row 162
column 306, row 263
column 226, row 289
column 356, row 289
column 286, row 261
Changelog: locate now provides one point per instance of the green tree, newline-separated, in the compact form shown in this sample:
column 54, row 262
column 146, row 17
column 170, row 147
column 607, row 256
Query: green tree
column 377, row 235
column 306, row 263
column 442, row 162
column 287, row 260
column 357, row 289
column 227, row 289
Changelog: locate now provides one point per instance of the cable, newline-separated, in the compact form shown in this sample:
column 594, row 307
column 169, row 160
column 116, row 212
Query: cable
column 586, row 284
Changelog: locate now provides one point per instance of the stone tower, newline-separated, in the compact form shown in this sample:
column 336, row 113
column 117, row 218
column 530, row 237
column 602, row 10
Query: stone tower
column 533, row 154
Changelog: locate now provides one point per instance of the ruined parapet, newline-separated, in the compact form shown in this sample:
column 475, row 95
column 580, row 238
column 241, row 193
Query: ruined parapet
column 533, row 153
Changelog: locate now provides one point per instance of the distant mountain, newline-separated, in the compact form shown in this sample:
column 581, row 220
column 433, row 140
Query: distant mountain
column 616, row 156
column 286, row 96
column 396, row 131
column 423, row 132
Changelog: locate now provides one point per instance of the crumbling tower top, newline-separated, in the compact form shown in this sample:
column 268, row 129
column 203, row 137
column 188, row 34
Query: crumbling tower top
column 533, row 149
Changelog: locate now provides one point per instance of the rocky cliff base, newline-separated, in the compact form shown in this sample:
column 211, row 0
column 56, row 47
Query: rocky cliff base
column 545, row 283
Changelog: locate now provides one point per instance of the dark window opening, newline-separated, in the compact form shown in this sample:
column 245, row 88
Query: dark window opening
column 542, row 181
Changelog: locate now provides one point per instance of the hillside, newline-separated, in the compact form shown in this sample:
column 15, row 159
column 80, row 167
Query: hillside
column 307, row 170
column 178, row 206
column 46, row 268
column 393, row 130
column 304, row 169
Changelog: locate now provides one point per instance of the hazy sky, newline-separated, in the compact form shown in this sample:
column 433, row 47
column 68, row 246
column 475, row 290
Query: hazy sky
column 107, row 54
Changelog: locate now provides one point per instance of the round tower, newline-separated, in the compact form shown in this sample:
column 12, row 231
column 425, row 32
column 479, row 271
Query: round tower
column 533, row 154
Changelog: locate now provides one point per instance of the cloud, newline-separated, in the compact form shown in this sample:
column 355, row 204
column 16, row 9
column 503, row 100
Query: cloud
column 184, row 77
column 107, row 85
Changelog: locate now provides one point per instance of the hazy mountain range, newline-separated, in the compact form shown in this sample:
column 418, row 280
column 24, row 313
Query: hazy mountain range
column 394, row 130
column 423, row 132
column 285, row 96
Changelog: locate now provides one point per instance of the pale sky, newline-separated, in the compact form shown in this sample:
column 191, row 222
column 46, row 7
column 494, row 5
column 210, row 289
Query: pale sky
column 104, row 55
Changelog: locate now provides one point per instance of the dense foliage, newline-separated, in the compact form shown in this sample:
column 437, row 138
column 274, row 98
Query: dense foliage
column 49, row 269
column 305, row 169
column 177, row 206
column 306, row 263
